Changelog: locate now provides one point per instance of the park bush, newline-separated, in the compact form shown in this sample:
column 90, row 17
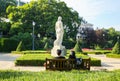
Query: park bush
column 69, row 43
column 95, row 62
column 30, row 52
column 20, row 46
column 7, row 45
column 32, row 59
column 77, row 47
column 39, row 59
column 116, row 48
column 46, row 46
column 113, row 55
column 98, row 52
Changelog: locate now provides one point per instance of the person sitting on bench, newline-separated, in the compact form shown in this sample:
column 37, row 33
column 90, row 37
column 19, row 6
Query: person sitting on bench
column 59, row 55
column 72, row 55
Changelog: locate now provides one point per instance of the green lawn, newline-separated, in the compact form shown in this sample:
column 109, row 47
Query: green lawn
column 73, row 75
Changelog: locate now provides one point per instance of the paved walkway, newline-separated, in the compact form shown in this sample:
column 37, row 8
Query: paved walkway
column 7, row 63
column 107, row 63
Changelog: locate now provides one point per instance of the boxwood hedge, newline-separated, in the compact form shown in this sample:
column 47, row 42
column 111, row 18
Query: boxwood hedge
column 39, row 59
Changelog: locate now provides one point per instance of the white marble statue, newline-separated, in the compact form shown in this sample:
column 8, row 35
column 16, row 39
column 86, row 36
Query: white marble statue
column 59, row 32
column 59, row 38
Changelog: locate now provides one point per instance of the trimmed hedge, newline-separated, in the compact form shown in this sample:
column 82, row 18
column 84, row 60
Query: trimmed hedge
column 113, row 55
column 32, row 59
column 7, row 45
column 29, row 52
column 39, row 59
column 30, row 62
column 97, row 52
column 77, row 47
column 95, row 62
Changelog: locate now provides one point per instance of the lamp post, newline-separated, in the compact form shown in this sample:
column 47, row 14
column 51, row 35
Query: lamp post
column 33, row 23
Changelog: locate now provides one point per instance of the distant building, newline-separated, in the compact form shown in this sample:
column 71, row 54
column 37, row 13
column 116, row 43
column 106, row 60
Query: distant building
column 82, row 30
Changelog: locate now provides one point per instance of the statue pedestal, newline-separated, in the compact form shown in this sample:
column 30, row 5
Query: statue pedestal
column 55, row 48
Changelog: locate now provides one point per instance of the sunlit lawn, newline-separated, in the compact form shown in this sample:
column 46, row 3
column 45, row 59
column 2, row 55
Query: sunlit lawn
column 74, row 75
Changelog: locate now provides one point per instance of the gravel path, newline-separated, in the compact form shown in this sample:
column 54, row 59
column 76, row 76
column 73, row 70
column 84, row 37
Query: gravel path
column 107, row 63
column 7, row 63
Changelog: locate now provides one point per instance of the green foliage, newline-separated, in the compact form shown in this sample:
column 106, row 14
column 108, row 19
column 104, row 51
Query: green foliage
column 16, row 28
column 97, row 51
column 7, row 45
column 46, row 46
column 32, row 59
column 26, row 39
column 95, row 62
column 77, row 47
column 30, row 52
column 116, row 48
column 98, row 47
column 5, row 27
column 4, row 4
column 69, row 43
column 20, row 46
column 113, row 55
column 36, row 58
column 45, row 15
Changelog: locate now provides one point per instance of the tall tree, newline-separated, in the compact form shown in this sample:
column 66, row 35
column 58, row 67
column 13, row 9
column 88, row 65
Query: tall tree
column 4, row 4
column 45, row 15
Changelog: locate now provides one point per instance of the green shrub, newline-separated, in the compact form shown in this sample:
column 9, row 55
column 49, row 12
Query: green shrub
column 69, row 43
column 113, row 55
column 17, row 52
column 39, row 59
column 7, row 45
column 116, row 48
column 97, row 47
column 95, row 62
column 77, row 47
column 32, row 59
column 98, row 52
column 46, row 46
column 20, row 46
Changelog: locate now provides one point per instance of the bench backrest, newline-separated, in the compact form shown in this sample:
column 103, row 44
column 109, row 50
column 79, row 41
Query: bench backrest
column 66, row 64
column 59, row 64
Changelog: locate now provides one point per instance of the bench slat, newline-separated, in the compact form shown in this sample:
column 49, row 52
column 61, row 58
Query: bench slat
column 66, row 64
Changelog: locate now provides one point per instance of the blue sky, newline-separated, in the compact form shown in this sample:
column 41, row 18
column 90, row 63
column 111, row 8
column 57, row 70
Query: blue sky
column 100, row 13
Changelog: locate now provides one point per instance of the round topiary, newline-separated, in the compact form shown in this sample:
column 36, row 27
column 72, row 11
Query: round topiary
column 20, row 46
column 116, row 48
column 77, row 47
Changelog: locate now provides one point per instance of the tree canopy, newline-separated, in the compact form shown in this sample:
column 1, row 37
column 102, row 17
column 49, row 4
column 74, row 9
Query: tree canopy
column 44, row 14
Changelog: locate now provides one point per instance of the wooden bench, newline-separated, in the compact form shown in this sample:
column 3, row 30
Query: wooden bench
column 66, row 64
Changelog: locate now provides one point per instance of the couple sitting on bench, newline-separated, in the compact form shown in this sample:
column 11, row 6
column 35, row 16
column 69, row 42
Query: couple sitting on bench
column 72, row 55
column 61, row 63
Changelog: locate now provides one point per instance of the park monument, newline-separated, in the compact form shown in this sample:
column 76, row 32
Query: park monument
column 59, row 38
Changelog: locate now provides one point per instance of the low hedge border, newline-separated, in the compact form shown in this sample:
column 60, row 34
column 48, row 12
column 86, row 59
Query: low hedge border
column 39, row 60
column 113, row 55
column 95, row 52
column 29, row 52
column 95, row 62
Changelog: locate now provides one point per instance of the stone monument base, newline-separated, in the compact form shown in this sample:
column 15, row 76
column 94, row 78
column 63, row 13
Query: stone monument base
column 55, row 48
